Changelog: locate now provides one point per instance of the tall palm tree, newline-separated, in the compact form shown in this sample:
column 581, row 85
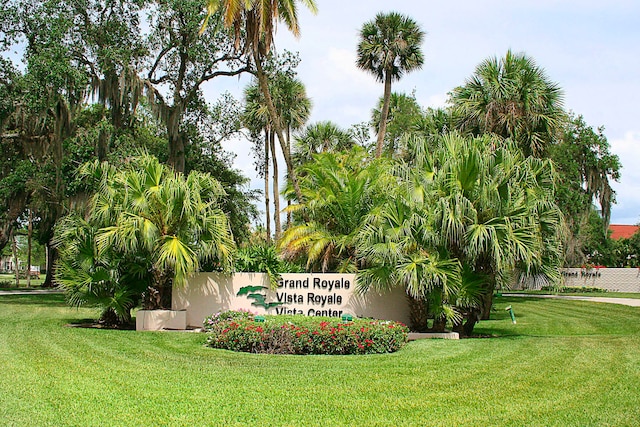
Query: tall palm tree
column 320, row 137
column 255, row 118
column 254, row 21
column 511, row 97
column 294, row 107
column 404, row 117
column 389, row 47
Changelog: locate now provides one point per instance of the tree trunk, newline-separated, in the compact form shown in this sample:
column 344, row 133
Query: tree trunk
column 158, row 294
column 267, row 190
column 52, row 254
column 382, row 129
column 175, row 138
column 288, row 223
column 16, row 267
column 277, row 125
column 487, row 304
column 418, row 314
column 276, row 187
column 29, row 238
column 17, row 204
column 176, row 152
column 439, row 325
column 472, row 318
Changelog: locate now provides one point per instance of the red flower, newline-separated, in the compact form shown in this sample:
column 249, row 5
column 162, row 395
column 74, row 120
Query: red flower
column 259, row 329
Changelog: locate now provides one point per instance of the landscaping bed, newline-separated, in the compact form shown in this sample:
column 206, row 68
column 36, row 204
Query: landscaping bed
column 244, row 331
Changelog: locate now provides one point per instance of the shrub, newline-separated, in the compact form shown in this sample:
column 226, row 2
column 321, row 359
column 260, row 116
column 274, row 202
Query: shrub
column 238, row 331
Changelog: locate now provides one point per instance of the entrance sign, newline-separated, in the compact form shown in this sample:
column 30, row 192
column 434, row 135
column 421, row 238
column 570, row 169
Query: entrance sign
column 310, row 294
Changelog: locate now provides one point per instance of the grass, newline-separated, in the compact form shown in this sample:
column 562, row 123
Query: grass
column 8, row 282
column 565, row 363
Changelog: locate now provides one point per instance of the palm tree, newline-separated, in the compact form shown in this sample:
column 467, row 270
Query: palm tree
column 497, row 212
column 403, row 118
column 340, row 189
column 511, row 97
column 398, row 248
column 255, row 118
column 255, row 22
column 464, row 218
column 389, row 47
column 294, row 107
column 169, row 221
column 90, row 277
column 320, row 137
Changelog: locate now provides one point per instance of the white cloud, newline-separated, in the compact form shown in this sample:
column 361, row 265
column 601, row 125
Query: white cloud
column 438, row 100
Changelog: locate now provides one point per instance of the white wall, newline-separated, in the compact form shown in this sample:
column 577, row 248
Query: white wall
column 311, row 294
column 611, row 279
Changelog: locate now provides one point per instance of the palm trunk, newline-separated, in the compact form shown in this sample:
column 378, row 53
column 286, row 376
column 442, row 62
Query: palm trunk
column 439, row 325
column 487, row 303
column 277, row 125
column 418, row 314
column 288, row 223
column 472, row 318
column 384, row 115
column 267, row 201
column 276, row 187
column 158, row 295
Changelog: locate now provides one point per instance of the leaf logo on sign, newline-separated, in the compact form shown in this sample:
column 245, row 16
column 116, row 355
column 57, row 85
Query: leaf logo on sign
column 255, row 293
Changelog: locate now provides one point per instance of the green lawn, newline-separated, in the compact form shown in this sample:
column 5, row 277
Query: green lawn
column 565, row 363
column 8, row 281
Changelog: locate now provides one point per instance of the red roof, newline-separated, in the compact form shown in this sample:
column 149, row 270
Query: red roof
column 619, row 231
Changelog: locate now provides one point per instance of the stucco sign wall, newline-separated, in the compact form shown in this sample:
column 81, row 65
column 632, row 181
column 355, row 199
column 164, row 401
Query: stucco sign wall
column 329, row 295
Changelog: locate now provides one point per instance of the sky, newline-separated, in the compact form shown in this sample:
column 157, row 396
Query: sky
column 590, row 48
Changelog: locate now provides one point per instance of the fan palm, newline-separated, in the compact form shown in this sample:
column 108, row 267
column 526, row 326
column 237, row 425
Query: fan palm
column 389, row 47
column 89, row 277
column 464, row 218
column 511, row 97
column 170, row 220
column 318, row 138
column 404, row 117
column 294, row 107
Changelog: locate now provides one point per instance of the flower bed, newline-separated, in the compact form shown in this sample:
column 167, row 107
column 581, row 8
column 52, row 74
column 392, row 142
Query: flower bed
column 239, row 331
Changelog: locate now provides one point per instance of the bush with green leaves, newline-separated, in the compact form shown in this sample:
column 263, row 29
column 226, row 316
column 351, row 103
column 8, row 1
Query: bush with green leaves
column 263, row 258
column 239, row 331
column 145, row 230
